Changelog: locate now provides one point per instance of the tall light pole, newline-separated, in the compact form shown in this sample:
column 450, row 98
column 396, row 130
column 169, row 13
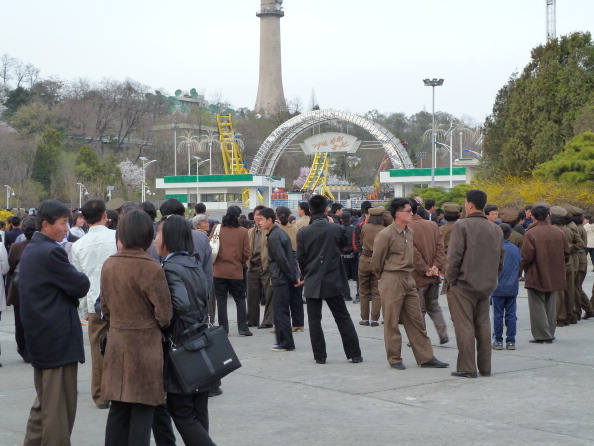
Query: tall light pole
column 81, row 188
column 451, row 162
column 433, row 83
column 199, row 163
column 9, row 193
column 478, row 154
column 145, row 164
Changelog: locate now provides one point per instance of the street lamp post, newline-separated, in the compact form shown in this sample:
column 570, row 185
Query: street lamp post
column 81, row 188
column 9, row 193
column 478, row 154
column 145, row 164
column 451, row 161
column 433, row 83
column 199, row 163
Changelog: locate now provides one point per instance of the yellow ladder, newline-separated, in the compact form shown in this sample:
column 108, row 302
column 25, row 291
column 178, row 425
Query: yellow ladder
column 232, row 156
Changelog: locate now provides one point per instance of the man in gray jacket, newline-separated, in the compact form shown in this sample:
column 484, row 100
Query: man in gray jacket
column 475, row 257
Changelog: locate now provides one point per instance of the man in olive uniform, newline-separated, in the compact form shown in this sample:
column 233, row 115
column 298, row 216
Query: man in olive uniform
column 368, row 280
column 451, row 216
column 577, row 244
column 581, row 300
column 392, row 261
column 475, row 257
column 510, row 216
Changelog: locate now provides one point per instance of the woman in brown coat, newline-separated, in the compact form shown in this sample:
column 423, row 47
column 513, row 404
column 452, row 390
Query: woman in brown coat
column 136, row 300
column 228, row 269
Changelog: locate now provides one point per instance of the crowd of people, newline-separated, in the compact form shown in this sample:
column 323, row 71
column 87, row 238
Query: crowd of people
column 145, row 285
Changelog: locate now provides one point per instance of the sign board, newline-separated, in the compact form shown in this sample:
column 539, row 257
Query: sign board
column 331, row 143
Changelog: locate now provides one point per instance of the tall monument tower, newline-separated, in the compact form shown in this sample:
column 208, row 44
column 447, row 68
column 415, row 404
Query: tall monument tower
column 271, row 96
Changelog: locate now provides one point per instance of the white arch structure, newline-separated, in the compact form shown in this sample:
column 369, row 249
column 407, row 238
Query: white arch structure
column 270, row 151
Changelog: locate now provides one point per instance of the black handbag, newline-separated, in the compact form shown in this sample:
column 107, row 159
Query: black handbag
column 203, row 359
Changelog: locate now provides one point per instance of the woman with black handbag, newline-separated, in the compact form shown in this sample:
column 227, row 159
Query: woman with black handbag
column 189, row 295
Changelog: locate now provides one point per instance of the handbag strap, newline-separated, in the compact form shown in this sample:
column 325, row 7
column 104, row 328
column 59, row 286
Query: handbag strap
column 217, row 230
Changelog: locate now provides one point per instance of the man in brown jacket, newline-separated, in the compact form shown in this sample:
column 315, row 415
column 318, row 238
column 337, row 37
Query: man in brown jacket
column 475, row 257
column 544, row 253
column 428, row 260
column 392, row 261
column 258, row 276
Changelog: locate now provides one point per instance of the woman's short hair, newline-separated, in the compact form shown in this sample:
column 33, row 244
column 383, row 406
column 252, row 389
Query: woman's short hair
column 135, row 230
column 197, row 220
column 176, row 234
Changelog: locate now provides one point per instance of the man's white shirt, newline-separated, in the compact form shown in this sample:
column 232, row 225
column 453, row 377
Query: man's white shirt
column 88, row 255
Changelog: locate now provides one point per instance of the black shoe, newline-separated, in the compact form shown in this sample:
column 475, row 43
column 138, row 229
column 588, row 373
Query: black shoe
column 541, row 341
column 485, row 374
column 464, row 374
column 252, row 325
column 357, row 359
column 320, row 361
column 398, row 366
column 215, row 392
column 103, row 406
column 347, row 298
column 364, row 323
column 245, row 332
column 444, row 341
column 262, row 326
column 435, row 364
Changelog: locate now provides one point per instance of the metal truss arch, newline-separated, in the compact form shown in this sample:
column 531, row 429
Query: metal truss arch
column 270, row 151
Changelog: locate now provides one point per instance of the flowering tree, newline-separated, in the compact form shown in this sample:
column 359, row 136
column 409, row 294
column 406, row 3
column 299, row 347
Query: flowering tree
column 131, row 174
column 332, row 179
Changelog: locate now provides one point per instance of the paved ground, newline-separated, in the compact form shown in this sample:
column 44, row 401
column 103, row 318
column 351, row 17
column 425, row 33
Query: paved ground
column 538, row 394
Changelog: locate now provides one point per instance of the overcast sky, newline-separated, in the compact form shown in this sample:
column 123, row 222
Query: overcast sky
column 356, row 55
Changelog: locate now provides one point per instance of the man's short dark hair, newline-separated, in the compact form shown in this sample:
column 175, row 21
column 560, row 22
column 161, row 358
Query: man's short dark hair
column 506, row 229
column 268, row 213
column 365, row 206
column 490, row 208
column 414, row 205
column 200, row 208
column 318, row 204
column 429, row 203
column 335, row 207
column 304, row 206
column 398, row 204
column 16, row 221
column 528, row 207
column 92, row 210
column 50, row 211
column 439, row 212
column 172, row 206
column 477, row 197
column 451, row 216
column 258, row 208
column 150, row 209
column 540, row 213
column 29, row 226
column 176, row 234
column 135, row 230
column 2, row 224
column 521, row 215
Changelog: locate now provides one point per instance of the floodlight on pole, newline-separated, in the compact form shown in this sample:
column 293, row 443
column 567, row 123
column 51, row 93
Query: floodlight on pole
column 433, row 83
column 9, row 193
column 81, row 188
column 199, row 162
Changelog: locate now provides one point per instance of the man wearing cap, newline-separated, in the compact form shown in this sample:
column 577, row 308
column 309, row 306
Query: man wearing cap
column 116, row 204
column 565, row 301
column 451, row 216
column 393, row 262
column 368, row 279
column 544, row 252
column 475, row 257
column 510, row 216
column 577, row 245
column 428, row 261
column 581, row 300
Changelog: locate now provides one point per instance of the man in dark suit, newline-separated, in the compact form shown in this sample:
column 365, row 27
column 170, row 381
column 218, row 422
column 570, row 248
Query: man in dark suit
column 11, row 236
column 50, row 289
column 319, row 254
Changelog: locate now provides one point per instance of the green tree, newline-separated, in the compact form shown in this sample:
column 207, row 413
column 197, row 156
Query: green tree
column 535, row 113
column 47, row 158
column 88, row 167
column 575, row 165
column 15, row 99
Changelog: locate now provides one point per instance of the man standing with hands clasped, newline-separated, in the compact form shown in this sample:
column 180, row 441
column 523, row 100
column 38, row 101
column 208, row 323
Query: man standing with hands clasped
column 392, row 261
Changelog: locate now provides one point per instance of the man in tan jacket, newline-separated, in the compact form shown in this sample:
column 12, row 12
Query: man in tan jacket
column 475, row 257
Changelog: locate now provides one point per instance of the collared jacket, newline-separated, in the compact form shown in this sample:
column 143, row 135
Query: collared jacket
column 50, row 289
column 234, row 252
column 281, row 261
column 135, row 299
column 544, row 252
column 475, row 255
column 263, row 248
column 88, row 254
column 319, row 254
column 393, row 250
column 189, row 294
column 429, row 250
